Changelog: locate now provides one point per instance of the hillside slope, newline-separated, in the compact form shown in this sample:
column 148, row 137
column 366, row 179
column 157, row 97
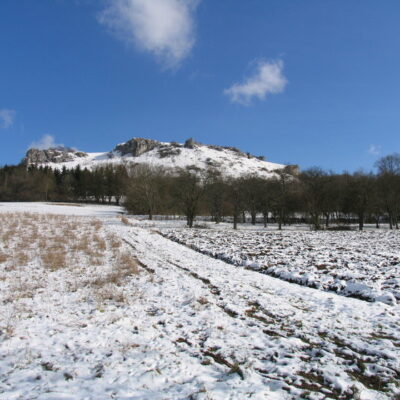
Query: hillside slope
column 196, row 156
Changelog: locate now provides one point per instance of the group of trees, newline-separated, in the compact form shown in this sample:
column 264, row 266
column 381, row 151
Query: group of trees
column 313, row 196
column 103, row 184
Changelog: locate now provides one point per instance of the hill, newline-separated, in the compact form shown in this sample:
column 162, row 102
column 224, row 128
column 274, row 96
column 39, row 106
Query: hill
column 171, row 155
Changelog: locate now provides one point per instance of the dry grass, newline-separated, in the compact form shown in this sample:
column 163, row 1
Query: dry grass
column 82, row 245
column 3, row 257
column 8, row 234
column 125, row 262
column 99, row 242
column 97, row 224
column 125, row 221
column 23, row 287
column 93, row 259
column 110, row 292
column 54, row 258
column 124, row 266
column 115, row 243
column 8, row 321
column 20, row 258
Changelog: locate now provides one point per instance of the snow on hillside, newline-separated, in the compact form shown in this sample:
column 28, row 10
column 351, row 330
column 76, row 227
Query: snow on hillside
column 93, row 306
column 230, row 161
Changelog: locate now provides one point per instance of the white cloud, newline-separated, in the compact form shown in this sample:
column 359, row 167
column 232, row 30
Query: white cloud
column 268, row 78
column 46, row 142
column 7, row 118
column 374, row 150
column 164, row 28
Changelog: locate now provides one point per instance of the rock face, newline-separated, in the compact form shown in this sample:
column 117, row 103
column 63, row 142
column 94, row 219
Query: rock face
column 137, row 146
column 52, row 155
column 190, row 143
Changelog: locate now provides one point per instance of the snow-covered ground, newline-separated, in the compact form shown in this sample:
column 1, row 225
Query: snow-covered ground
column 358, row 264
column 125, row 313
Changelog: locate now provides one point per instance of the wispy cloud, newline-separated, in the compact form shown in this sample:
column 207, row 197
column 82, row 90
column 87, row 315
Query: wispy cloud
column 46, row 142
column 7, row 118
column 374, row 150
column 164, row 28
column 268, row 78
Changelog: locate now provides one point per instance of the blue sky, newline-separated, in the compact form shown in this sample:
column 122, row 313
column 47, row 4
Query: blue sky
column 310, row 82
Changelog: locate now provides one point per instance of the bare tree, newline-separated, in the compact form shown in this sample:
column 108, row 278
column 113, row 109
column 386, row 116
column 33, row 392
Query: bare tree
column 215, row 194
column 359, row 191
column 235, row 198
column 282, row 186
column 188, row 189
column 144, row 194
column 315, row 195
column 389, row 186
column 251, row 185
column 265, row 194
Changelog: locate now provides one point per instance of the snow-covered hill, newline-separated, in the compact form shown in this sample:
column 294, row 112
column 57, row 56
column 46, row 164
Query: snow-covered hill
column 229, row 160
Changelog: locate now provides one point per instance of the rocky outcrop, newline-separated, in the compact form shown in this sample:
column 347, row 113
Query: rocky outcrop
column 168, row 151
column 52, row 155
column 230, row 148
column 137, row 146
column 190, row 143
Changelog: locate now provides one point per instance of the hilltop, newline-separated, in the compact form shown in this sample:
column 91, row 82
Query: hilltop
column 171, row 155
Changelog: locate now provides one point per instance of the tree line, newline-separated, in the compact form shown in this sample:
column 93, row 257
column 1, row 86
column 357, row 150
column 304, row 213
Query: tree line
column 314, row 196
column 323, row 199
column 100, row 185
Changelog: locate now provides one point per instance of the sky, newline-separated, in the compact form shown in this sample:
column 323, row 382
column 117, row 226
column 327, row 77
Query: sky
column 307, row 82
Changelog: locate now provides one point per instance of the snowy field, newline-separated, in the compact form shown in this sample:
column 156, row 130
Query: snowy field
column 97, row 306
column 358, row 264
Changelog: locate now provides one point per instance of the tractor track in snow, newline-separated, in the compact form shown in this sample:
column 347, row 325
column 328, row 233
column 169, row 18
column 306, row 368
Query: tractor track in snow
column 243, row 305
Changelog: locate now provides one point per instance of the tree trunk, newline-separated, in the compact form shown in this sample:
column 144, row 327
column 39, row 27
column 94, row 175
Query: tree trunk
column 235, row 221
column 253, row 217
column 280, row 216
column 315, row 221
column 361, row 221
column 265, row 218
column 326, row 220
column 390, row 221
